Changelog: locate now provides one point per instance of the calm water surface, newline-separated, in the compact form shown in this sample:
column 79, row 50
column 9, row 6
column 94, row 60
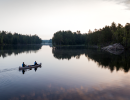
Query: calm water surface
column 72, row 73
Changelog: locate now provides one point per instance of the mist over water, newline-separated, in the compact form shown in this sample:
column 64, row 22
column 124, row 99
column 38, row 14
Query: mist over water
column 67, row 73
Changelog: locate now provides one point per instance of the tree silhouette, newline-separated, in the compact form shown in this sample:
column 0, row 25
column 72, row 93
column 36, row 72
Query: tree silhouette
column 9, row 38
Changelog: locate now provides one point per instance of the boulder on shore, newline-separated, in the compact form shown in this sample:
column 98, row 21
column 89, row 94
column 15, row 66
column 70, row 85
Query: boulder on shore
column 116, row 48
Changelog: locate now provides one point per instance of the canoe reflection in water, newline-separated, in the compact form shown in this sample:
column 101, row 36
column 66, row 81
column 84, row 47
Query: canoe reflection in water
column 25, row 70
column 35, row 69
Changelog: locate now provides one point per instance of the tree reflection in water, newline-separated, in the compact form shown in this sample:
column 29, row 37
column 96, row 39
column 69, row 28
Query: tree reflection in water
column 7, row 50
column 102, row 58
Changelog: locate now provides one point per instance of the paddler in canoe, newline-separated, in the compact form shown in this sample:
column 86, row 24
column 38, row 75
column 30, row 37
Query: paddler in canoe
column 29, row 66
column 23, row 65
column 35, row 63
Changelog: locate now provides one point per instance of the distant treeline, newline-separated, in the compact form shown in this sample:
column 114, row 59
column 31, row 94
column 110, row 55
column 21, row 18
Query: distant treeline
column 47, row 41
column 106, row 35
column 9, row 38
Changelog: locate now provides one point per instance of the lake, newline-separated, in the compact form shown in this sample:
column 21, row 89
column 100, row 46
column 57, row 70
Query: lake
column 67, row 73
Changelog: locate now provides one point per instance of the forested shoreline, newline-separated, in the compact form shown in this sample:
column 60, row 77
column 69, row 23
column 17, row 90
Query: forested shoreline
column 9, row 38
column 105, row 36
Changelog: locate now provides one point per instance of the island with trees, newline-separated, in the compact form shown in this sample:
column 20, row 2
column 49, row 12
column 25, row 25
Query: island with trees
column 101, row 37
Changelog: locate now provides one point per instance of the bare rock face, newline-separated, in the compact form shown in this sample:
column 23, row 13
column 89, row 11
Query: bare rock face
column 116, row 48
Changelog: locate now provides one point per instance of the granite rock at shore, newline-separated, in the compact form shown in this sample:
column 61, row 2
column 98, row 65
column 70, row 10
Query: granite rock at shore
column 116, row 48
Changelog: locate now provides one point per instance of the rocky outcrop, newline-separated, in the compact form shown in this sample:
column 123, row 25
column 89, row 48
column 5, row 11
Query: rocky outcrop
column 116, row 48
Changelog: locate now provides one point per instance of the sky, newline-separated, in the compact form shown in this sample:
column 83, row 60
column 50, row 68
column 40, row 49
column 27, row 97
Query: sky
column 46, row 17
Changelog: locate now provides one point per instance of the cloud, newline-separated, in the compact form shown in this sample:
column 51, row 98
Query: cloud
column 126, row 3
column 123, row 2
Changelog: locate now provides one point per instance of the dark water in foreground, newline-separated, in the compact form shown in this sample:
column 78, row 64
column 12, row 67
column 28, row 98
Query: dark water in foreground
column 72, row 73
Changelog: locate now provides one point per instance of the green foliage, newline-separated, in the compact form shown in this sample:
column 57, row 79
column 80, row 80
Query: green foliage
column 104, row 36
column 2, row 40
column 9, row 38
column 100, row 37
column 68, row 38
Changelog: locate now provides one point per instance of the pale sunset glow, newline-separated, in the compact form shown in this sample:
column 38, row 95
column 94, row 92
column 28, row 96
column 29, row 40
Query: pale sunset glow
column 45, row 17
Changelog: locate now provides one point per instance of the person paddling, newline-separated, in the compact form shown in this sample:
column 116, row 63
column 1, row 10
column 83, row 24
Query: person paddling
column 35, row 63
column 23, row 65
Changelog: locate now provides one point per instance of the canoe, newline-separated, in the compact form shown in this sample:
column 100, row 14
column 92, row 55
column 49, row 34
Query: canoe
column 30, row 66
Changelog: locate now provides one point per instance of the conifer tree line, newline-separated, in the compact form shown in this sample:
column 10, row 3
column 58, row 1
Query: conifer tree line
column 106, row 35
column 9, row 38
